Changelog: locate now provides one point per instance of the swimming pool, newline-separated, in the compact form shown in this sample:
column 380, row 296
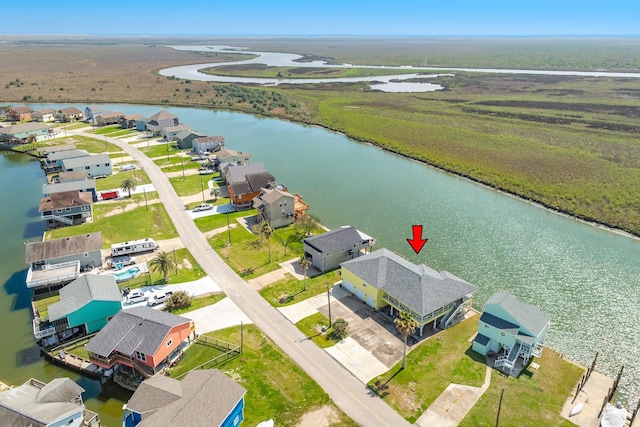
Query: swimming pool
column 127, row 275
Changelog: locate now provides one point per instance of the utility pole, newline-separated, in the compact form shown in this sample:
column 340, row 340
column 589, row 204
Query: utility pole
column 329, row 303
column 228, row 228
column 202, row 185
column 499, row 406
column 182, row 162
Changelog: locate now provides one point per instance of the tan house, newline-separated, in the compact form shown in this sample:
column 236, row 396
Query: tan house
column 276, row 206
column 109, row 118
column 44, row 115
column 69, row 114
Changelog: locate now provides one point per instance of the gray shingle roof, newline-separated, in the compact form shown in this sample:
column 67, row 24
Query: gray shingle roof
column 259, row 180
column 65, row 199
column 19, row 406
column 419, row 287
column 163, row 115
column 154, row 393
column 76, row 185
column 56, row 248
column 140, row 329
column 82, row 291
column 94, row 159
column 337, row 239
column 209, row 396
column 529, row 317
column 237, row 173
column 23, row 127
column 226, row 153
column 66, row 154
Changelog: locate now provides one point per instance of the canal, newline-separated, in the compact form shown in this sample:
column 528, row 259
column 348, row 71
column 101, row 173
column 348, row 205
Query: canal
column 585, row 277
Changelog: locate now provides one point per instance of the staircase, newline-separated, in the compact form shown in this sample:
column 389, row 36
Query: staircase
column 512, row 357
column 447, row 319
column 536, row 350
column 145, row 370
column 61, row 219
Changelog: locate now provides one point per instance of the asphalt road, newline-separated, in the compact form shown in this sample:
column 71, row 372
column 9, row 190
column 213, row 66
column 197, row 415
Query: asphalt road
column 348, row 393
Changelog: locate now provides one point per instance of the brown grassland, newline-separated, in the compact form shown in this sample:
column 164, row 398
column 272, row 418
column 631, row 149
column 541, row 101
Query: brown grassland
column 569, row 143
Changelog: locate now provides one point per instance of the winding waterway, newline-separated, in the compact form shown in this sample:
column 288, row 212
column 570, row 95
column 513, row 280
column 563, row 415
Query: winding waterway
column 585, row 277
column 390, row 83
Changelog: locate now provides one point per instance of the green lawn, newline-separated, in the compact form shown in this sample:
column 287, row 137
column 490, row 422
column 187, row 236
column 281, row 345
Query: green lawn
column 201, row 302
column 447, row 358
column 114, row 181
column 290, row 290
column 176, row 166
column 316, row 327
column 276, row 387
column 159, row 149
column 104, row 130
column 192, row 184
column 136, row 224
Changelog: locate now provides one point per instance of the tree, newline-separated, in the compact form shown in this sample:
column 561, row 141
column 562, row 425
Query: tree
column 178, row 300
column 266, row 230
column 128, row 185
column 307, row 223
column 163, row 263
column 405, row 324
column 341, row 328
column 305, row 263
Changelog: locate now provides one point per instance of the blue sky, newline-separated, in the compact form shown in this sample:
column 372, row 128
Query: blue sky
column 325, row 17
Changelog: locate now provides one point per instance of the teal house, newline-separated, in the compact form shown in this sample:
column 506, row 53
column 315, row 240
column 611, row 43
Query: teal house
column 513, row 330
column 86, row 304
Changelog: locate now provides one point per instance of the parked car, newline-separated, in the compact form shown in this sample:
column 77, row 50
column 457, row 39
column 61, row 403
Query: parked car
column 159, row 298
column 135, row 296
column 203, row 207
column 127, row 167
column 121, row 261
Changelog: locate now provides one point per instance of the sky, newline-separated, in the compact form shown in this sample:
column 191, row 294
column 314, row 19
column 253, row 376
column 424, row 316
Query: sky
column 325, row 17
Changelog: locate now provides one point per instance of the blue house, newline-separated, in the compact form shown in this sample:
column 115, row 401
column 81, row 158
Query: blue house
column 516, row 328
column 203, row 398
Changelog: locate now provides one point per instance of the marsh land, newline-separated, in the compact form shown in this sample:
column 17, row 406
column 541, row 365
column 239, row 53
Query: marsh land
column 569, row 143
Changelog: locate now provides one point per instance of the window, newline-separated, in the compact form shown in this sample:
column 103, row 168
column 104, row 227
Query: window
column 169, row 342
column 87, row 167
column 86, row 254
column 486, row 326
column 106, row 164
column 141, row 356
column 502, row 333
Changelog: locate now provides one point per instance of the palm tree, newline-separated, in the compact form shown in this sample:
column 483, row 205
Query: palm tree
column 405, row 324
column 266, row 230
column 163, row 263
column 305, row 263
column 128, row 185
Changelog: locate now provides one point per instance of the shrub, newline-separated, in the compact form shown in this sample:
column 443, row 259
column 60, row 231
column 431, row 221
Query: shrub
column 341, row 328
column 178, row 300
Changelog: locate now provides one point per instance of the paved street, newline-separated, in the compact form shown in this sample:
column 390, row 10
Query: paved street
column 354, row 398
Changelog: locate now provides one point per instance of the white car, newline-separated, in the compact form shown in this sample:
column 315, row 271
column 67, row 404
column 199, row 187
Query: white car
column 203, row 207
column 127, row 167
column 159, row 298
column 135, row 296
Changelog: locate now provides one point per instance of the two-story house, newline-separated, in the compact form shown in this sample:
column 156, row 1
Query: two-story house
column 24, row 131
column 143, row 341
column 44, row 115
column 65, row 184
column 69, row 114
column 169, row 133
column 384, row 279
column 85, row 306
column 242, row 193
column 93, row 111
column 207, row 144
column 110, row 118
column 276, row 206
column 327, row 250
column 96, row 165
column 19, row 114
column 204, row 397
column 59, row 261
column 227, row 155
column 38, row 404
column 52, row 161
column 161, row 120
column 515, row 327
column 66, row 208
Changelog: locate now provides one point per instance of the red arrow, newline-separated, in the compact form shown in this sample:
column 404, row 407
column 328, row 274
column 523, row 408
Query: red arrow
column 417, row 242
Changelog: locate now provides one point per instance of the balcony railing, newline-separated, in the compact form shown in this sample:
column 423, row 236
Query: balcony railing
column 53, row 273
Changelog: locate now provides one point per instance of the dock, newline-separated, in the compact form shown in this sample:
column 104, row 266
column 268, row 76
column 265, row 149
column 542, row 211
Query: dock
column 73, row 362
